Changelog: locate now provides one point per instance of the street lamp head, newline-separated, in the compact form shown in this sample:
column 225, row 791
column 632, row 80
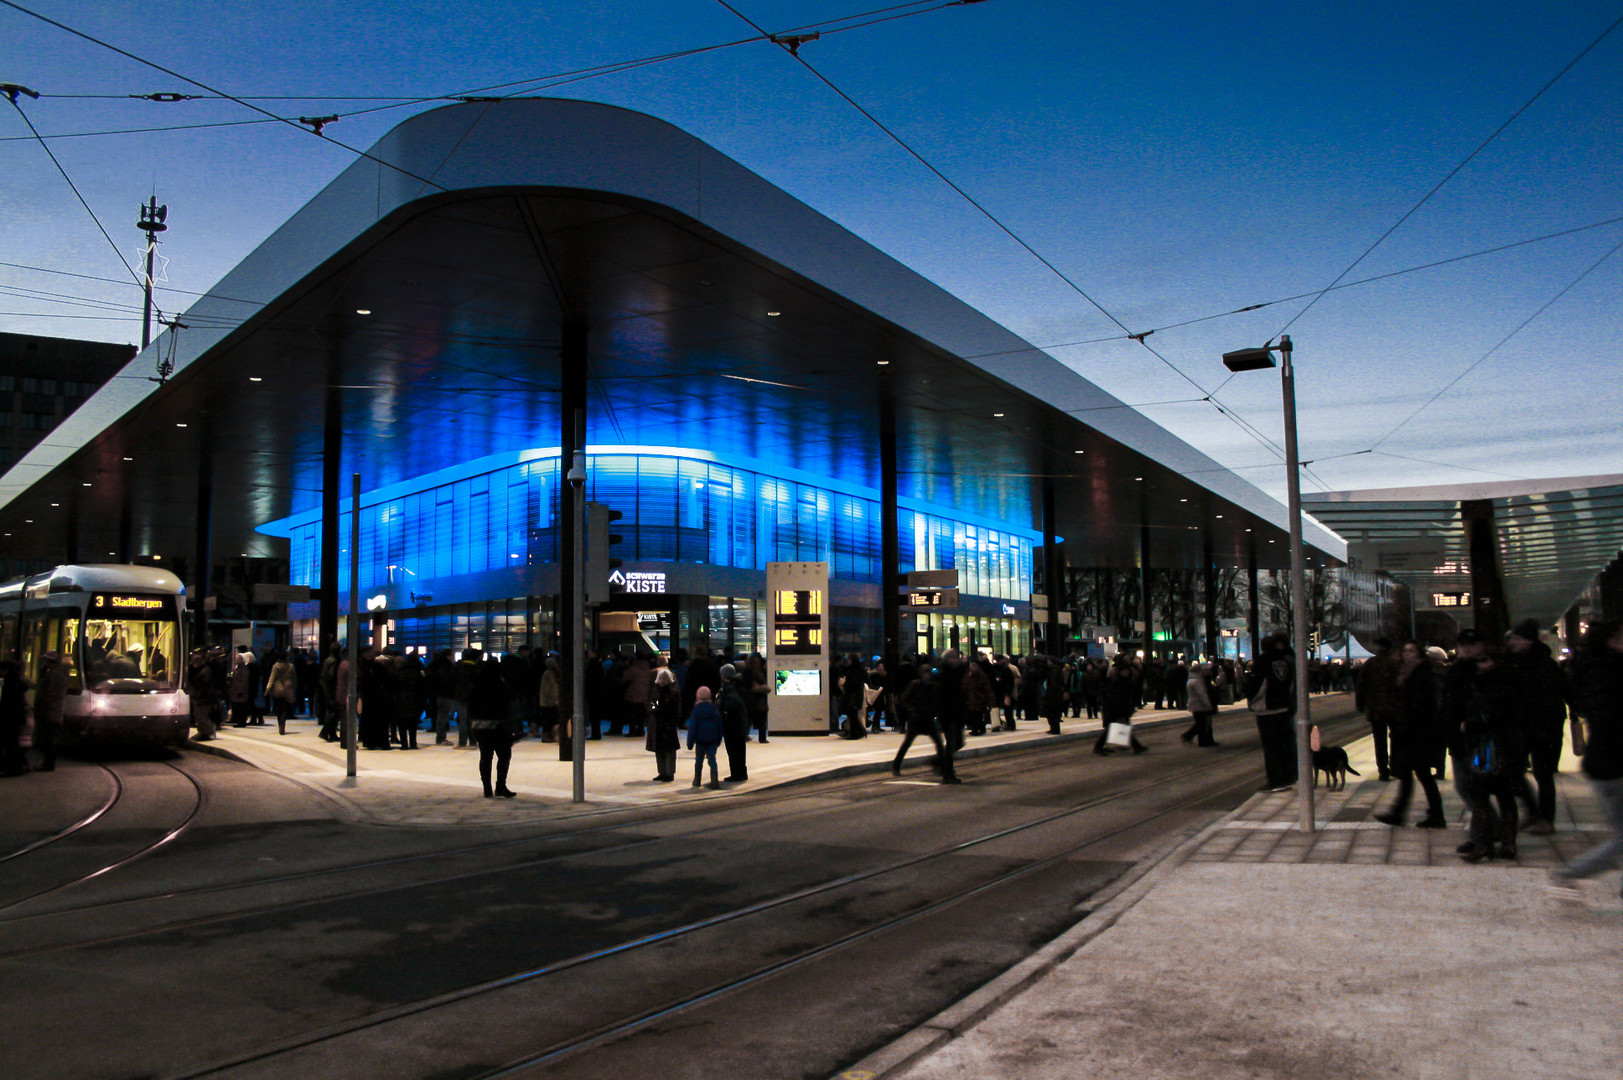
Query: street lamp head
column 1248, row 359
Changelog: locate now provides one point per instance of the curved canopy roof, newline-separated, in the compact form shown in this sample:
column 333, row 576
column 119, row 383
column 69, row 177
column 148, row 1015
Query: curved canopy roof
column 426, row 287
column 1554, row 536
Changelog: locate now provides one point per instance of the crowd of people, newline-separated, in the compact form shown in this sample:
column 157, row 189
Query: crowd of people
column 1498, row 716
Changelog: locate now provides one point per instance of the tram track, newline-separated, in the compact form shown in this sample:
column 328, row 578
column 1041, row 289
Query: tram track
column 307, row 1051
column 992, row 768
column 117, row 789
column 88, row 833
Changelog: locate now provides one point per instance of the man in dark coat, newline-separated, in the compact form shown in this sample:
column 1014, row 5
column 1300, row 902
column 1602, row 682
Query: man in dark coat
column 735, row 724
column 1272, row 686
column 1377, row 698
column 1545, row 694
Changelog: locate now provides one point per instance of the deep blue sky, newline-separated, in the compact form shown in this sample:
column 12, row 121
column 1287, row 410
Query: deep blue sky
column 1175, row 161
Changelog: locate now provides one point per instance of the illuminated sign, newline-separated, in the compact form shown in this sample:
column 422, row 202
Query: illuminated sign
column 124, row 604
column 1451, row 599
column 945, row 599
column 639, row 581
column 1008, row 609
column 797, row 628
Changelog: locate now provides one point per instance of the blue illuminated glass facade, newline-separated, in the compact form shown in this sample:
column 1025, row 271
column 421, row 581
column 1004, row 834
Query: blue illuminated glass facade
column 501, row 514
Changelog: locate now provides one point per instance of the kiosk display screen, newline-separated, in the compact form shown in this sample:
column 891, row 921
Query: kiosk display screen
column 798, row 682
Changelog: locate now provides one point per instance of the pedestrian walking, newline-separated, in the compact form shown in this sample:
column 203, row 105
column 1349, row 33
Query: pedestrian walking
column 14, row 687
column 1414, row 739
column 1377, row 698
column 281, row 689
column 1597, row 688
column 1120, row 699
column 489, row 704
column 1202, row 708
column 917, row 707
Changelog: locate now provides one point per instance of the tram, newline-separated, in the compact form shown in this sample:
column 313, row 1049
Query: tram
column 121, row 631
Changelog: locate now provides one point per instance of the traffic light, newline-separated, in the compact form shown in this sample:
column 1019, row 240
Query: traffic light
column 600, row 564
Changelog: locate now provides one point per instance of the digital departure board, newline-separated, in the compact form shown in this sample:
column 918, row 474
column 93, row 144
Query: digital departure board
column 797, row 624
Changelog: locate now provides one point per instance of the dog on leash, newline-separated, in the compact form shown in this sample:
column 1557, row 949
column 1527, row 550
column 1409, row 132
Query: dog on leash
column 1332, row 762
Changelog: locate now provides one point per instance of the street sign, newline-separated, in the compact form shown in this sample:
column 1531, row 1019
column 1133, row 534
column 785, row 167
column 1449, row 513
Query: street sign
column 281, row 594
column 932, row 579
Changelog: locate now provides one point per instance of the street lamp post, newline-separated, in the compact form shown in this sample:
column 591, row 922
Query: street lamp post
column 1253, row 360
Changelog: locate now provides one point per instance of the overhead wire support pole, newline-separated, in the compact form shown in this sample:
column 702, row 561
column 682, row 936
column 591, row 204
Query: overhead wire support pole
column 1293, row 483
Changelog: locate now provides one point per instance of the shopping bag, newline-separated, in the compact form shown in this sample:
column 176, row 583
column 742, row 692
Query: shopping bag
column 1119, row 735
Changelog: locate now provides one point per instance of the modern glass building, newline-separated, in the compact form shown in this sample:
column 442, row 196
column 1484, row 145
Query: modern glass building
column 467, row 555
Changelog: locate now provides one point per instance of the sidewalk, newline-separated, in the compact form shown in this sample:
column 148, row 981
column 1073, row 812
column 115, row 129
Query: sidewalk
column 439, row 785
column 1258, row 951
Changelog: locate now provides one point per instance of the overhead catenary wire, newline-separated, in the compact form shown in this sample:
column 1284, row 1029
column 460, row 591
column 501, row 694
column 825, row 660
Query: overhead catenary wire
column 1585, row 51
column 1011, row 234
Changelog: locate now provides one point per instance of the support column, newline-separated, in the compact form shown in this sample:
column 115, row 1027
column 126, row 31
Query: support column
column 126, row 524
column 1254, row 616
column 1487, row 586
column 572, row 438
column 1611, row 591
column 1208, row 575
column 1146, row 601
column 205, row 543
column 1055, row 587
column 332, row 453
column 890, row 556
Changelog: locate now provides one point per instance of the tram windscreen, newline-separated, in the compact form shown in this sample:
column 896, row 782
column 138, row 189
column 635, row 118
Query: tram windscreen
column 131, row 643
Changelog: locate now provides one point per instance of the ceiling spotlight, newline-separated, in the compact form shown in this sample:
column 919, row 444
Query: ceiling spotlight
column 1138, row 478
column 997, row 414
column 884, row 363
column 180, row 425
column 1081, row 451
column 774, row 314
column 363, row 311
column 255, row 378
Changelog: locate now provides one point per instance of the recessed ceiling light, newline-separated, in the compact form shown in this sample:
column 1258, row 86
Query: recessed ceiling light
column 1081, row 451
column 774, row 314
column 1138, row 478
column 255, row 378
column 1183, row 500
column 56, row 504
column 129, row 459
column 363, row 311
column 180, row 425
column 87, row 484
column 1219, row 517
column 997, row 414
column 884, row 363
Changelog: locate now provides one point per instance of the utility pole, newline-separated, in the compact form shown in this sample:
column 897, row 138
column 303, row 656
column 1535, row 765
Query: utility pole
column 151, row 223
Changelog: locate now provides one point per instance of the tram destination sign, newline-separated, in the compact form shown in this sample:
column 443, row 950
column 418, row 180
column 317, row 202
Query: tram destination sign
column 103, row 605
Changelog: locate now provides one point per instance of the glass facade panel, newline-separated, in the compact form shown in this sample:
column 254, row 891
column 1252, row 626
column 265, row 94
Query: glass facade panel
column 676, row 509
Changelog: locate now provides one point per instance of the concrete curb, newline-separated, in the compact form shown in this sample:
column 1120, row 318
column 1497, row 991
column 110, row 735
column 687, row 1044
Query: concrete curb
column 1099, row 914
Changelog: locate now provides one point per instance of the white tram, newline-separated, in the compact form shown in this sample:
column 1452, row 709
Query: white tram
column 121, row 631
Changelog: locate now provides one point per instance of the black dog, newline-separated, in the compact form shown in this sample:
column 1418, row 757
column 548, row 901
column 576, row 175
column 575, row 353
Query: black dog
column 1332, row 761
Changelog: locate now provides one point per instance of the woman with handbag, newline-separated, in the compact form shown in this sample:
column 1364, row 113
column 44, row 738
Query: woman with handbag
column 1121, row 697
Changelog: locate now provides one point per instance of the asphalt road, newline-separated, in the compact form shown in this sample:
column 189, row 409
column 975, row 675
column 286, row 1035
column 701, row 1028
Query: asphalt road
column 780, row 934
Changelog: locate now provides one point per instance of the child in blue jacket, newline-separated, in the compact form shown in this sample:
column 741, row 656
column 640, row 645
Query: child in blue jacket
column 704, row 735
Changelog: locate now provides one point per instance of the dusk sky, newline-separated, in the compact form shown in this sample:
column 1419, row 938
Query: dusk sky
column 1175, row 162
